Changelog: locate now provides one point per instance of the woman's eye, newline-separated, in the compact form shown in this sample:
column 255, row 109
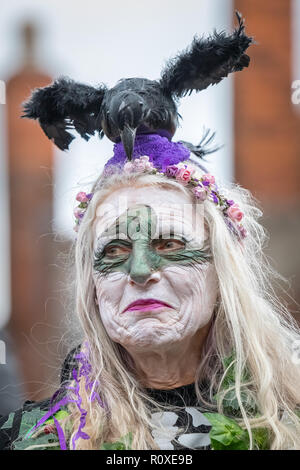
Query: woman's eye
column 168, row 245
column 114, row 251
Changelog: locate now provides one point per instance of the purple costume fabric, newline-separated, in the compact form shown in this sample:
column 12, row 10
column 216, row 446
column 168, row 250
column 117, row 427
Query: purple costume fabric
column 160, row 150
column 83, row 358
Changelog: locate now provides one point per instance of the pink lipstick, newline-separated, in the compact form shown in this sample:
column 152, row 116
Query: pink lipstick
column 144, row 305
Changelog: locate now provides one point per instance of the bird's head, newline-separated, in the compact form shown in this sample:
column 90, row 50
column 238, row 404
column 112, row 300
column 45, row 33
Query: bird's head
column 136, row 105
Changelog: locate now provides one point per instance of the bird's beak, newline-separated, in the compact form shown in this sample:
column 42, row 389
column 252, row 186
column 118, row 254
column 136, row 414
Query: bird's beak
column 128, row 138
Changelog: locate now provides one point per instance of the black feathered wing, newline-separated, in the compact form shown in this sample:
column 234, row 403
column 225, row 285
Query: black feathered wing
column 206, row 62
column 66, row 105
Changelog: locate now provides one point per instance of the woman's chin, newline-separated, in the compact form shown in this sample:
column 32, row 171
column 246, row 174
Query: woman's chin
column 150, row 338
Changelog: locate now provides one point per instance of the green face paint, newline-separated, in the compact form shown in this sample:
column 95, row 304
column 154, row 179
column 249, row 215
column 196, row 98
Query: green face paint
column 133, row 250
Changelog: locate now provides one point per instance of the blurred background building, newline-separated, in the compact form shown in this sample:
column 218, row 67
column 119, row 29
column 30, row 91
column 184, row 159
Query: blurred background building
column 256, row 115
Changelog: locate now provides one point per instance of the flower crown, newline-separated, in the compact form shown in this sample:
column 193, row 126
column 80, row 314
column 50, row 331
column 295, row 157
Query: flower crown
column 203, row 187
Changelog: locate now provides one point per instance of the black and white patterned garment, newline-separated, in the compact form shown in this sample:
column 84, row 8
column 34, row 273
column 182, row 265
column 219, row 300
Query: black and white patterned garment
column 197, row 435
column 198, row 427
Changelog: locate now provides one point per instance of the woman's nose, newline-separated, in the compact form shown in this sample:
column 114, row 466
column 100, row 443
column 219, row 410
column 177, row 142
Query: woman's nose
column 142, row 269
column 144, row 278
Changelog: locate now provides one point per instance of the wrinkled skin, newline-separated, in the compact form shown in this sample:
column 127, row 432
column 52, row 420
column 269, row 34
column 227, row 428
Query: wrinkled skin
column 154, row 250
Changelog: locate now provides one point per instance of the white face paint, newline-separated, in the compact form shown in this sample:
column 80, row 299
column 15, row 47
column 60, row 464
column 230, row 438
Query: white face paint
column 189, row 291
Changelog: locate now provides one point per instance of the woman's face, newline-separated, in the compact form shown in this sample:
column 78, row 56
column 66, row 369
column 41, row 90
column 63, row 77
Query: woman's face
column 155, row 281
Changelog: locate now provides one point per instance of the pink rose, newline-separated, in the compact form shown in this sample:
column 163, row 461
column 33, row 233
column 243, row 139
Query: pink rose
column 145, row 159
column 172, row 170
column 138, row 166
column 209, row 178
column 200, row 193
column 235, row 213
column 128, row 167
column 142, row 164
column 82, row 197
column 148, row 166
column 184, row 175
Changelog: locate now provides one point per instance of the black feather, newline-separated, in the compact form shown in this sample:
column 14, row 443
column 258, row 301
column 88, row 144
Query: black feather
column 64, row 105
column 206, row 62
column 202, row 148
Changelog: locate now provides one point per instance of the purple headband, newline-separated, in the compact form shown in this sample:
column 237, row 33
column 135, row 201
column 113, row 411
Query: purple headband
column 158, row 154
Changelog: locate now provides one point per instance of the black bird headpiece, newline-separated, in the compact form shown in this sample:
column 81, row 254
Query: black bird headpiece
column 138, row 105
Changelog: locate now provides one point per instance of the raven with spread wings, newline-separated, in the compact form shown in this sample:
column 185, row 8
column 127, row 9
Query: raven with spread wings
column 138, row 105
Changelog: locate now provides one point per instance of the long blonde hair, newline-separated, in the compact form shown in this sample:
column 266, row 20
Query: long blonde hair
column 249, row 320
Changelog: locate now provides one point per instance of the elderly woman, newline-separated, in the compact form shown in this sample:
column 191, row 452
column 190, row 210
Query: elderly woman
column 184, row 343
column 177, row 309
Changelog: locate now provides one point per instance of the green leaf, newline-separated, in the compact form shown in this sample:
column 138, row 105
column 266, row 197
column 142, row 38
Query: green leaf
column 42, row 440
column 125, row 444
column 231, row 405
column 226, row 434
column 229, row 379
column 128, row 440
column 261, row 438
column 230, row 401
column 112, row 446
column 61, row 414
column 30, row 419
column 9, row 422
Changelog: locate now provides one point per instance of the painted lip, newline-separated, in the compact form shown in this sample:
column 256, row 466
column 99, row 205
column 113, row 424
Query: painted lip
column 144, row 305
